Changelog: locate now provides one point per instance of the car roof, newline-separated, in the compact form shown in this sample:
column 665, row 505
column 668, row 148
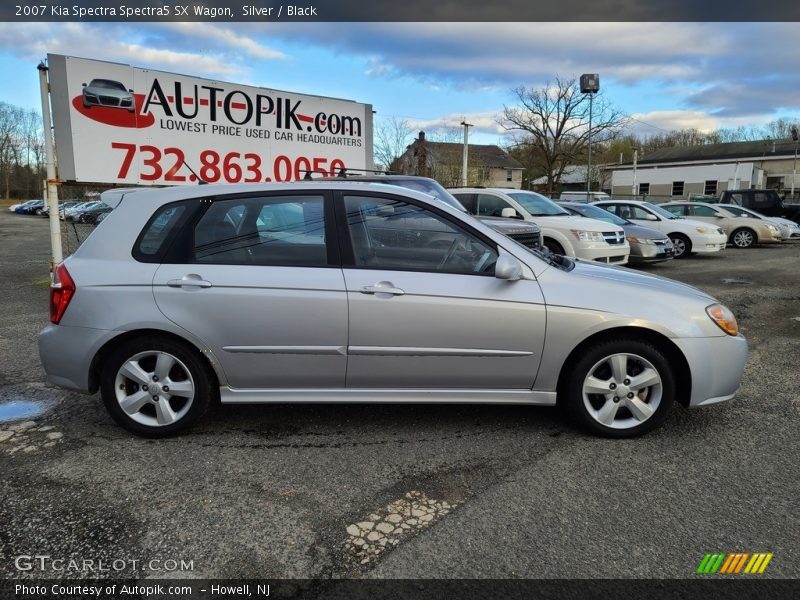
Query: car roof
column 173, row 194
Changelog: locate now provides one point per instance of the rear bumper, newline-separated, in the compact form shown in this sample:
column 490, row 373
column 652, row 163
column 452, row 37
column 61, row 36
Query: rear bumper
column 716, row 364
column 67, row 353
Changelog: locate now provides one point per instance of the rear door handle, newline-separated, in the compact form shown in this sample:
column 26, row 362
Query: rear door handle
column 382, row 287
column 190, row 280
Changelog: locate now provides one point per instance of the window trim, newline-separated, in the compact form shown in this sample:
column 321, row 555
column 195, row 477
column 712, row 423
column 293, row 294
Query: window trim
column 346, row 244
column 182, row 249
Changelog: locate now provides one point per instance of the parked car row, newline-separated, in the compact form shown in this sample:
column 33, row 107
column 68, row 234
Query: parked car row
column 71, row 210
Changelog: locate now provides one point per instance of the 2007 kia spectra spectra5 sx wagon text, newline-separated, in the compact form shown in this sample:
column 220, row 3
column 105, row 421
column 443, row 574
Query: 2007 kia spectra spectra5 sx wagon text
column 354, row 292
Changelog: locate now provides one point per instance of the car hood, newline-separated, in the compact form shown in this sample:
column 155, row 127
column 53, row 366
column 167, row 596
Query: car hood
column 621, row 275
column 575, row 222
column 510, row 226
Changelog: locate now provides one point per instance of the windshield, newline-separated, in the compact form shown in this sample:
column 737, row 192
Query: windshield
column 595, row 212
column 537, row 205
column 432, row 188
column 659, row 211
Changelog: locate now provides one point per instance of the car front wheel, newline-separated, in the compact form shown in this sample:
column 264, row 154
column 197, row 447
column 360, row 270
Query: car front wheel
column 682, row 245
column 621, row 388
column 155, row 387
column 743, row 238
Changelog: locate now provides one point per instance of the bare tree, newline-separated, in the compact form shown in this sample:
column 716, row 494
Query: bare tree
column 392, row 137
column 10, row 142
column 554, row 120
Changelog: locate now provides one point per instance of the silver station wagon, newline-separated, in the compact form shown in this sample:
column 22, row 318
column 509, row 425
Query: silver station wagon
column 361, row 292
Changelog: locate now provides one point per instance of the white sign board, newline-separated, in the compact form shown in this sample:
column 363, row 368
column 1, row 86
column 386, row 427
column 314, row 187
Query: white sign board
column 123, row 125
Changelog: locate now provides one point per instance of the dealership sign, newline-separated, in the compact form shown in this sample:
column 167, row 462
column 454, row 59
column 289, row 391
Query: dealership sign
column 123, row 125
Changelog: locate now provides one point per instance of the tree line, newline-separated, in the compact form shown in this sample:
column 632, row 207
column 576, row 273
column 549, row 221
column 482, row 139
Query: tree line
column 22, row 154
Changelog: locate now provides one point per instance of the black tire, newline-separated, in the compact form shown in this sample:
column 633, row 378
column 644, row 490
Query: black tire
column 743, row 238
column 199, row 374
column 553, row 246
column 662, row 397
column 682, row 244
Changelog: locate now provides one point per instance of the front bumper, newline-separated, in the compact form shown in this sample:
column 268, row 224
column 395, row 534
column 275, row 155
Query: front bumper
column 601, row 252
column 716, row 364
column 649, row 253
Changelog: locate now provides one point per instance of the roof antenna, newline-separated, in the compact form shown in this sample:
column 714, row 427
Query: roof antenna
column 191, row 170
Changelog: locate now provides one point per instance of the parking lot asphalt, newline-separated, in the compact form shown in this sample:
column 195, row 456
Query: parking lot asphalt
column 512, row 491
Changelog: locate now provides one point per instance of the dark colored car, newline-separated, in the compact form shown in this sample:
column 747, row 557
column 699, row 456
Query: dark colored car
column 30, row 208
column 90, row 215
column 107, row 92
column 766, row 202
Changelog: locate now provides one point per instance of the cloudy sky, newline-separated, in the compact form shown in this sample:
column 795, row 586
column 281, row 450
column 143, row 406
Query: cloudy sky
column 664, row 75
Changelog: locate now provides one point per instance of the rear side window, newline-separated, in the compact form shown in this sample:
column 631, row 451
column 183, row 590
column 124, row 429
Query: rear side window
column 268, row 231
column 156, row 235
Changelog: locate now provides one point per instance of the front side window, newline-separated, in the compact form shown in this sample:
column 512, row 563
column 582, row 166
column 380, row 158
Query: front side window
column 267, row 231
column 491, row 206
column 678, row 211
column 392, row 234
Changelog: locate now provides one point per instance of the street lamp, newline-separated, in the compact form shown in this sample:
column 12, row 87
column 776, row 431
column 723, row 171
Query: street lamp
column 590, row 84
column 794, row 169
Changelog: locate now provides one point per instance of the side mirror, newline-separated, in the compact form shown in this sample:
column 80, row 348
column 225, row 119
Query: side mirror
column 651, row 217
column 508, row 213
column 507, row 267
column 83, row 85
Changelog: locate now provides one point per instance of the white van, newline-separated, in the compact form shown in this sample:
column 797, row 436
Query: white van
column 584, row 196
column 562, row 232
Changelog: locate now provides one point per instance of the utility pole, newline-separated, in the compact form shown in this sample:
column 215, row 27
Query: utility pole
column 465, row 157
column 590, row 84
column 634, row 191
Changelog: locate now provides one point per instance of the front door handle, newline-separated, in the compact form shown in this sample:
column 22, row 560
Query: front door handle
column 382, row 287
column 190, row 280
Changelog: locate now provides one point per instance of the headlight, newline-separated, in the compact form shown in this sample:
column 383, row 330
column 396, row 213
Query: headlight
column 773, row 229
column 723, row 317
column 634, row 240
column 701, row 229
column 588, row 236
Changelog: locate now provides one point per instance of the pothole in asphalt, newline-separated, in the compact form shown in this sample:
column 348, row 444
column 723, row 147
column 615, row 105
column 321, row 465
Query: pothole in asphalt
column 384, row 529
column 736, row 281
column 16, row 410
column 27, row 437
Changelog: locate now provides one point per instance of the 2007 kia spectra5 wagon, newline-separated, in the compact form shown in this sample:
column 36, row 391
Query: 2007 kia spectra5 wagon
column 356, row 292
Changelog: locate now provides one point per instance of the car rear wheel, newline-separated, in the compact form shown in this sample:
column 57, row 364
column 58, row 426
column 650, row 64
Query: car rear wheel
column 621, row 388
column 743, row 238
column 155, row 387
column 682, row 245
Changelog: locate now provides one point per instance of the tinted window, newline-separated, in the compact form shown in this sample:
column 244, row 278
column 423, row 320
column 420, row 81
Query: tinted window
column 152, row 240
column 701, row 211
column 271, row 231
column 736, row 199
column 491, row 206
column 676, row 210
column 762, row 200
column 391, row 234
column 468, row 200
column 536, row 204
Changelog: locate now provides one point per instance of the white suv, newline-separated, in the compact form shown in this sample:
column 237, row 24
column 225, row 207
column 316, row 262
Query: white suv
column 562, row 233
column 688, row 236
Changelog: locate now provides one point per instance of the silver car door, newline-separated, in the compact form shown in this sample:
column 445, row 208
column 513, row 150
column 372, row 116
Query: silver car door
column 262, row 289
column 425, row 309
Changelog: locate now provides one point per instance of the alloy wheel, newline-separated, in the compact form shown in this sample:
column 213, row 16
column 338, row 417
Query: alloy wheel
column 622, row 391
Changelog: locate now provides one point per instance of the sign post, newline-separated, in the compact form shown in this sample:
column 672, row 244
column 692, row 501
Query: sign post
column 50, row 189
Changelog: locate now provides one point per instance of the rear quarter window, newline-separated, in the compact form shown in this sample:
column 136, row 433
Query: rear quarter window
column 154, row 239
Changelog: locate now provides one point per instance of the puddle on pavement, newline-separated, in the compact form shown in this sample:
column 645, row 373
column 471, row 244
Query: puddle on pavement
column 16, row 410
column 736, row 280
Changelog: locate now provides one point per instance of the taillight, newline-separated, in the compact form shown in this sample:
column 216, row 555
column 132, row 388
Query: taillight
column 61, row 292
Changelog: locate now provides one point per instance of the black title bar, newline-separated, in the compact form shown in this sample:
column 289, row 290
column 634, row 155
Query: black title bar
column 272, row 11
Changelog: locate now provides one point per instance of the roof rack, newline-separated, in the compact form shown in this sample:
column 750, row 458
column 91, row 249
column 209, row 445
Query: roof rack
column 345, row 172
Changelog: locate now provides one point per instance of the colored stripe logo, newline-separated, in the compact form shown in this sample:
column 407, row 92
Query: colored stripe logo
column 733, row 563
